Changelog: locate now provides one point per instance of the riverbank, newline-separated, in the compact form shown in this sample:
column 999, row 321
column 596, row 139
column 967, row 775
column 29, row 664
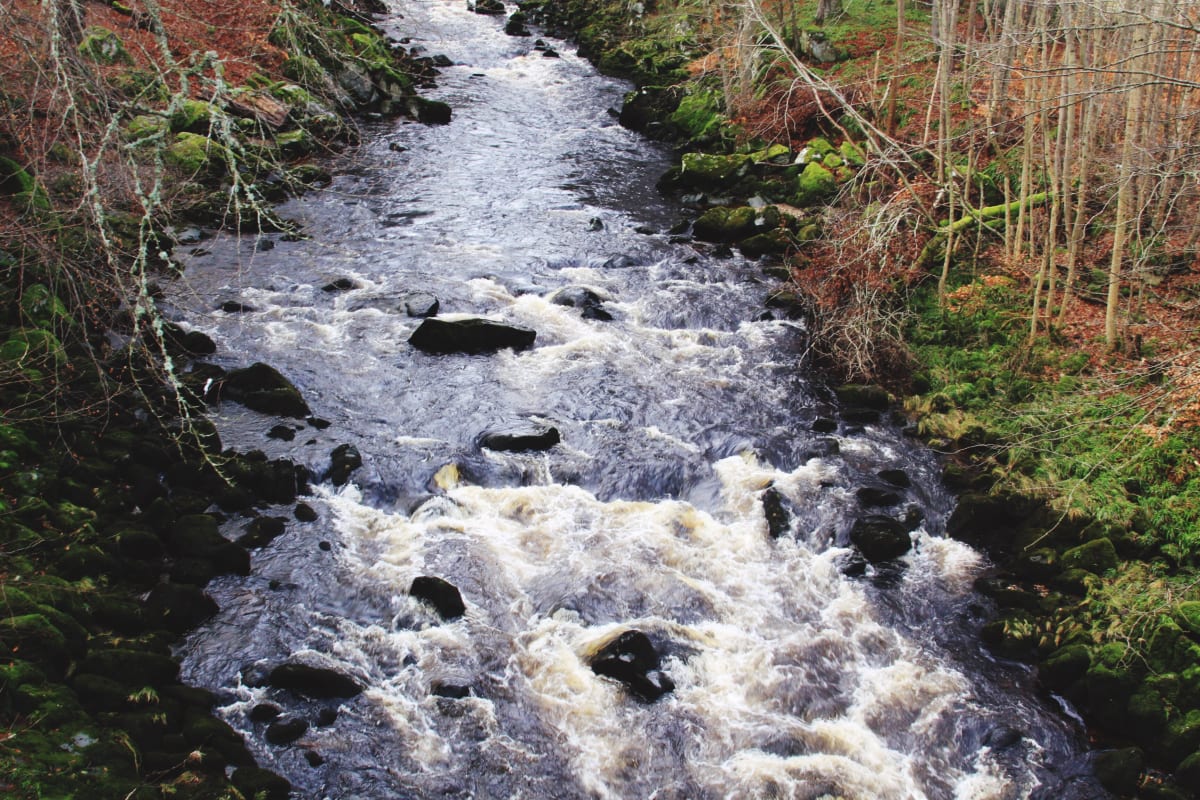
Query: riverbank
column 119, row 504
column 1076, row 466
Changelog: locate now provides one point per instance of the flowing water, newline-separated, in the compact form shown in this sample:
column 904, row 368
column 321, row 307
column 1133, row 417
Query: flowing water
column 793, row 678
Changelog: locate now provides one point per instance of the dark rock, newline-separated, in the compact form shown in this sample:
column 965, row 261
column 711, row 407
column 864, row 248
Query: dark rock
column 490, row 7
column 421, row 305
column 550, row 52
column 596, row 313
column 861, row 416
column 595, row 224
column 324, row 546
column 284, row 433
column 1012, row 635
column 286, row 731
column 1187, row 774
column 515, row 26
column 197, row 536
column 261, row 531
column 778, row 519
column 451, row 690
column 313, row 758
column 631, row 659
column 575, row 297
column 824, row 425
column 620, row 262
column 1120, row 771
column 430, row 112
column 442, row 61
column 864, row 396
column 472, row 335
column 339, row 285
column 880, row 538
column 440, row 594
column 877, row 497
column 131, row 667
column 326, row 717
column 262, row 388
column 821, row 448
column 318, row 423
column 314, row 682
column 179, row 607
column 140, row 545
column 896, row 477
column 533, row 437
column 258, row 782
column 265, row 712
column 305, row 513
column 344, row 459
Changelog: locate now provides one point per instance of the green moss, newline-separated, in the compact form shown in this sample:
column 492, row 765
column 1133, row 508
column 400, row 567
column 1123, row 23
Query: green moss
column 698, row 114
column 852, row 154
column 194, row 116
column 194, row 154
column 814, row 185
column 709, row 172
column 103, row 46
column 33, row 348
column 1097, row 556
column 42, row 308
column 146, row 126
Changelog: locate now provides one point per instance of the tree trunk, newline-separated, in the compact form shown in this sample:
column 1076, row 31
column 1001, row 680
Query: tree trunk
column 828, row 9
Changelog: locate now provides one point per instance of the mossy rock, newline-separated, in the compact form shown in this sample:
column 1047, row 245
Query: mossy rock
column 1120, row 771
column 723, row 224
column 697, row 115
column 304, row 69
column 15, row 179
column 258, row 782
column 709, row 172
column 1097, row 556
column 194, row 154
column 1077, row 582
column 775, row 242
column 131, row 667
column 295, row 143
column 34, row 637
column 192, row 116
column 852, row 154
column 103, row 46
column 1181, row 739
column 1187, row 774
column 1187, row 614
column 430, row 112
column 1013, row 635
column 772, row 154
column 1065, row 666
column 1111, row 680
column 818, row 147
column 1148, row 713
column 42, row 308
column 833, row 161
column 814, row 185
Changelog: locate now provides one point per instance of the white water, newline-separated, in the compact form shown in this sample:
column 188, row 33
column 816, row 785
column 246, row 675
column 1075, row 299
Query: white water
column 792, row 679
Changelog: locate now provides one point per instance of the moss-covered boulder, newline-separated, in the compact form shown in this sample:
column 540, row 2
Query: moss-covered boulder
column 1187, row 614
column 193, row 154
column 1012, row 635
column 814, row 185
column 1119, row 771
column 852, row 154
column 1097, row 556
column 103, row 46
column 33, row 637
column 262, row 388
column 1065, row 666
column 774, row 242
column 1181, row 739
column 1111, row 679
column 707, row 172
column 1187, row 774
column 193, row 116
column 258, row 782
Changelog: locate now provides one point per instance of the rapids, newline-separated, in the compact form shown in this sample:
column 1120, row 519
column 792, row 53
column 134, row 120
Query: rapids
column 793, row 679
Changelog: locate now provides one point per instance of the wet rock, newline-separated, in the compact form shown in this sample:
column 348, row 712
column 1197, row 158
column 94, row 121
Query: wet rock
column 595, row 224
column 471, row 336
column 265, row 712
column 861, row 416
column 262, row 388
column 1097, row 556
column 314, row 682
column 198, row 536
column 131, row 667
column 896, row 477
column 489, row 7
column 261, row 531
column 778, row 519
column 304, row 513
column 421, row 305
column 442, row 595
column 864, row 396
column 620, row 262
column 451, row 690
column 631, row 659
column 286, row 731
column 344, row 459
column 824, row 425
column 596, row 313
column 313, row 758
column 821, row 448
column 326, row 717
column 258, row 782
column 550, row 52
column 284, row 433
column 722, row 224
column 880, row 538
column 430, row 112
column 339, row 285
column 516, row 24
column 533, row 437
column 877, row 497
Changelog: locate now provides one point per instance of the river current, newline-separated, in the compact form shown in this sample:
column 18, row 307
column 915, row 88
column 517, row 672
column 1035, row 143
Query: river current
column 795, row 675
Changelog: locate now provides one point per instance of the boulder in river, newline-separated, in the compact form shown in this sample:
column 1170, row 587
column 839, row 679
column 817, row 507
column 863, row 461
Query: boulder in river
column 521, row 439
column 421, row 305
column 631, row 659
column 314, row 682
column 262, row 388
column 286, row 731
column 489, row 7
column 473, row 336
column 880, row 538
column 442, row 595
column 778, row 518
column 344, row 459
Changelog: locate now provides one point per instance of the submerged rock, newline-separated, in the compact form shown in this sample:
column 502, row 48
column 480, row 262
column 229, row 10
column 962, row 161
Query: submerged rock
column 533, row 437
column 442, row 595
column 880, row 538
column 471, row 336
column 631, row 659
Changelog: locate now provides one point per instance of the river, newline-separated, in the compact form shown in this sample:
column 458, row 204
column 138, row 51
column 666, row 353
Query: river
column 796, row 675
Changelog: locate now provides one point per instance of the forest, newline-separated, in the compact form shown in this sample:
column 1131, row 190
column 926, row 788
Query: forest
column 987, row 213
